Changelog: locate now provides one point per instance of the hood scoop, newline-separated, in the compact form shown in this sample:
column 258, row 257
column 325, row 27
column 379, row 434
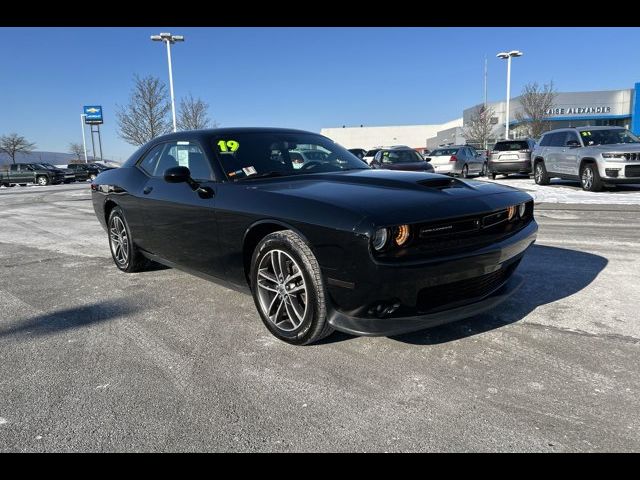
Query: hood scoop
column 442, row 183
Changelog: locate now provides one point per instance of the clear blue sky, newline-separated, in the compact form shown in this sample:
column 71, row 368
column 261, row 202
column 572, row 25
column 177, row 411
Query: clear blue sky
column 305, row 78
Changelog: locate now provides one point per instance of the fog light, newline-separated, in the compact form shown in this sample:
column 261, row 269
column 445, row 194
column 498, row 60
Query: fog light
column 521, row 209
column 402, row 235
column 611, row 172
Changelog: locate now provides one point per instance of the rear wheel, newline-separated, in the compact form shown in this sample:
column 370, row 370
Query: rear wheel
column 465, row 172
column 590, row 178
column 288, row 289
column 540, row 174
column 125, row 254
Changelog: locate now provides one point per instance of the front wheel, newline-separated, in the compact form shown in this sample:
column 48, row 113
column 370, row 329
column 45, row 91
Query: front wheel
column 590, row 178
column 43, row 181
column 465, row 172
column 288, row 290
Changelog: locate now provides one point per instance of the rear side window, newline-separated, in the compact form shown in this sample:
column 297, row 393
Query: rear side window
column 511, row 146
column 557, row 139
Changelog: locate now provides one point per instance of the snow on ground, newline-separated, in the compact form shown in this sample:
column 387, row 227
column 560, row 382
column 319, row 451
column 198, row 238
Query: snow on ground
column 564, row 191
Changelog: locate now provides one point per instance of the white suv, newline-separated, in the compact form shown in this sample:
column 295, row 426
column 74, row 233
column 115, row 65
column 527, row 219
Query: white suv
column 596, row 156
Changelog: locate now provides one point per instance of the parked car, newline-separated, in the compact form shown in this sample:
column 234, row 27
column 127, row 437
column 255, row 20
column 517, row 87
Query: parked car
column 457, row 160
column 84, row 171
column 594, row 156
column 511, row 156
column 69, row 175
column 400, row 158
column 332, row 245
column 358, row 152
column 25, row 173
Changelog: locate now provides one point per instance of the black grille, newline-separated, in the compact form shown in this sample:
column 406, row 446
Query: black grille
column 631, row 156
column 632, row 171
column 463, row 291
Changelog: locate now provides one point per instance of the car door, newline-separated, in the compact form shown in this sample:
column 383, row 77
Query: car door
column 569, row 159
column 554, row 151
column 25, row 174
column 180, row 218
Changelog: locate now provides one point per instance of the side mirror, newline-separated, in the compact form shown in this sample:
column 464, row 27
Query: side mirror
column 177, row 175
column 427, row 159
column 573, row 144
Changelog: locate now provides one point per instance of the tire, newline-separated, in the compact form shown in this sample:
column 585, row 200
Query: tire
column 128, row 258
column 43, row 181
column 590, row 178
column 92, row 177
column 483, row 172
column 23, row 184
column 464, row 173
column 492, row 175
column 540, row 174
column 299, row 318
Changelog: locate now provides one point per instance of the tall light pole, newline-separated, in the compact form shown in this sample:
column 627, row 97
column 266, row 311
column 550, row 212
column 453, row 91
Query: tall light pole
column 84, row 142
column 507, row 56
column 169, row 40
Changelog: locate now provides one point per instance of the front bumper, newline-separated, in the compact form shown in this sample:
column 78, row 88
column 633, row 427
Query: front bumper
column 413, row 287
column 395, row 326
column 509, row 167
column 616, row 172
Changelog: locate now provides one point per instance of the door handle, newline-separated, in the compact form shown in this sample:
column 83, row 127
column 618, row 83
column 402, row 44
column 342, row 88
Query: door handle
column 147, row 190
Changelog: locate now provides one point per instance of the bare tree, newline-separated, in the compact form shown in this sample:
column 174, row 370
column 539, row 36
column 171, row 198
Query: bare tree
column 146, row 115
column 77, row 149
column 13, row 144
column 479, row 127
column 192, row 114
column 536, row 101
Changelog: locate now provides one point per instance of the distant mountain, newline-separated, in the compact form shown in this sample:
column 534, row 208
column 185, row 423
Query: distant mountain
column 54, row 158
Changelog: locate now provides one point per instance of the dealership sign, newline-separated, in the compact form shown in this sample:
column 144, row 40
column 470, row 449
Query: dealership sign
column 92, row 114
column 577, row 110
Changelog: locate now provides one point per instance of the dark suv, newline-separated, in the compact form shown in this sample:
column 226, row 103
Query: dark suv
column 511, row 156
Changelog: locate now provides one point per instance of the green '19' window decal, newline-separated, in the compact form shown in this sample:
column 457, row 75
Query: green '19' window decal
column 228, row 145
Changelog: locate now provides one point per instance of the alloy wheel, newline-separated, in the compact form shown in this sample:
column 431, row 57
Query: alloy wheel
column 119, row 240
column 538, row 172
column 587, row 178
column 282, row 290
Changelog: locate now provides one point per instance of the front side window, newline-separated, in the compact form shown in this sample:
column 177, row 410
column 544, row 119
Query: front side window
column 608, row 137
column 177, row 154
column 253, row 155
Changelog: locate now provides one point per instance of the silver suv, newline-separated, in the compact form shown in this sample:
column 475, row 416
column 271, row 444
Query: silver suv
column 596, row 156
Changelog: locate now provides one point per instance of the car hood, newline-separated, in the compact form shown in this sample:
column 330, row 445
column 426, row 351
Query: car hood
column 391, row 197
column 617, row 147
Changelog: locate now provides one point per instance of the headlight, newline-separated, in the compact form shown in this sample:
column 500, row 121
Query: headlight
column 521, row 209
column 379, row 239
column 401, row 235
column 511, row 213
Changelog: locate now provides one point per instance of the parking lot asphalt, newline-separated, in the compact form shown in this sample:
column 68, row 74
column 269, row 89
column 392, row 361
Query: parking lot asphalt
column 93, row 359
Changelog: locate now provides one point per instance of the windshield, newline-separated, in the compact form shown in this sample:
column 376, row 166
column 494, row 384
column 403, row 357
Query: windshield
column 372, row 153
column 47, row 166
column 254, row 155
column 510, row 146
column 444, row 152
column 401, row 156
column 608, row 137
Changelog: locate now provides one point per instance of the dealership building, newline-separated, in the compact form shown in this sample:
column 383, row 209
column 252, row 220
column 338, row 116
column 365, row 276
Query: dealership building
column 570, row 109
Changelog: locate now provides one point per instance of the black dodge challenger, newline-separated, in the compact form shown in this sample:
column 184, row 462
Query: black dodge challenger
column 322, row 244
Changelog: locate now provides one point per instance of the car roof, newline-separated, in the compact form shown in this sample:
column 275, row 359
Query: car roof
column 585, row 128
